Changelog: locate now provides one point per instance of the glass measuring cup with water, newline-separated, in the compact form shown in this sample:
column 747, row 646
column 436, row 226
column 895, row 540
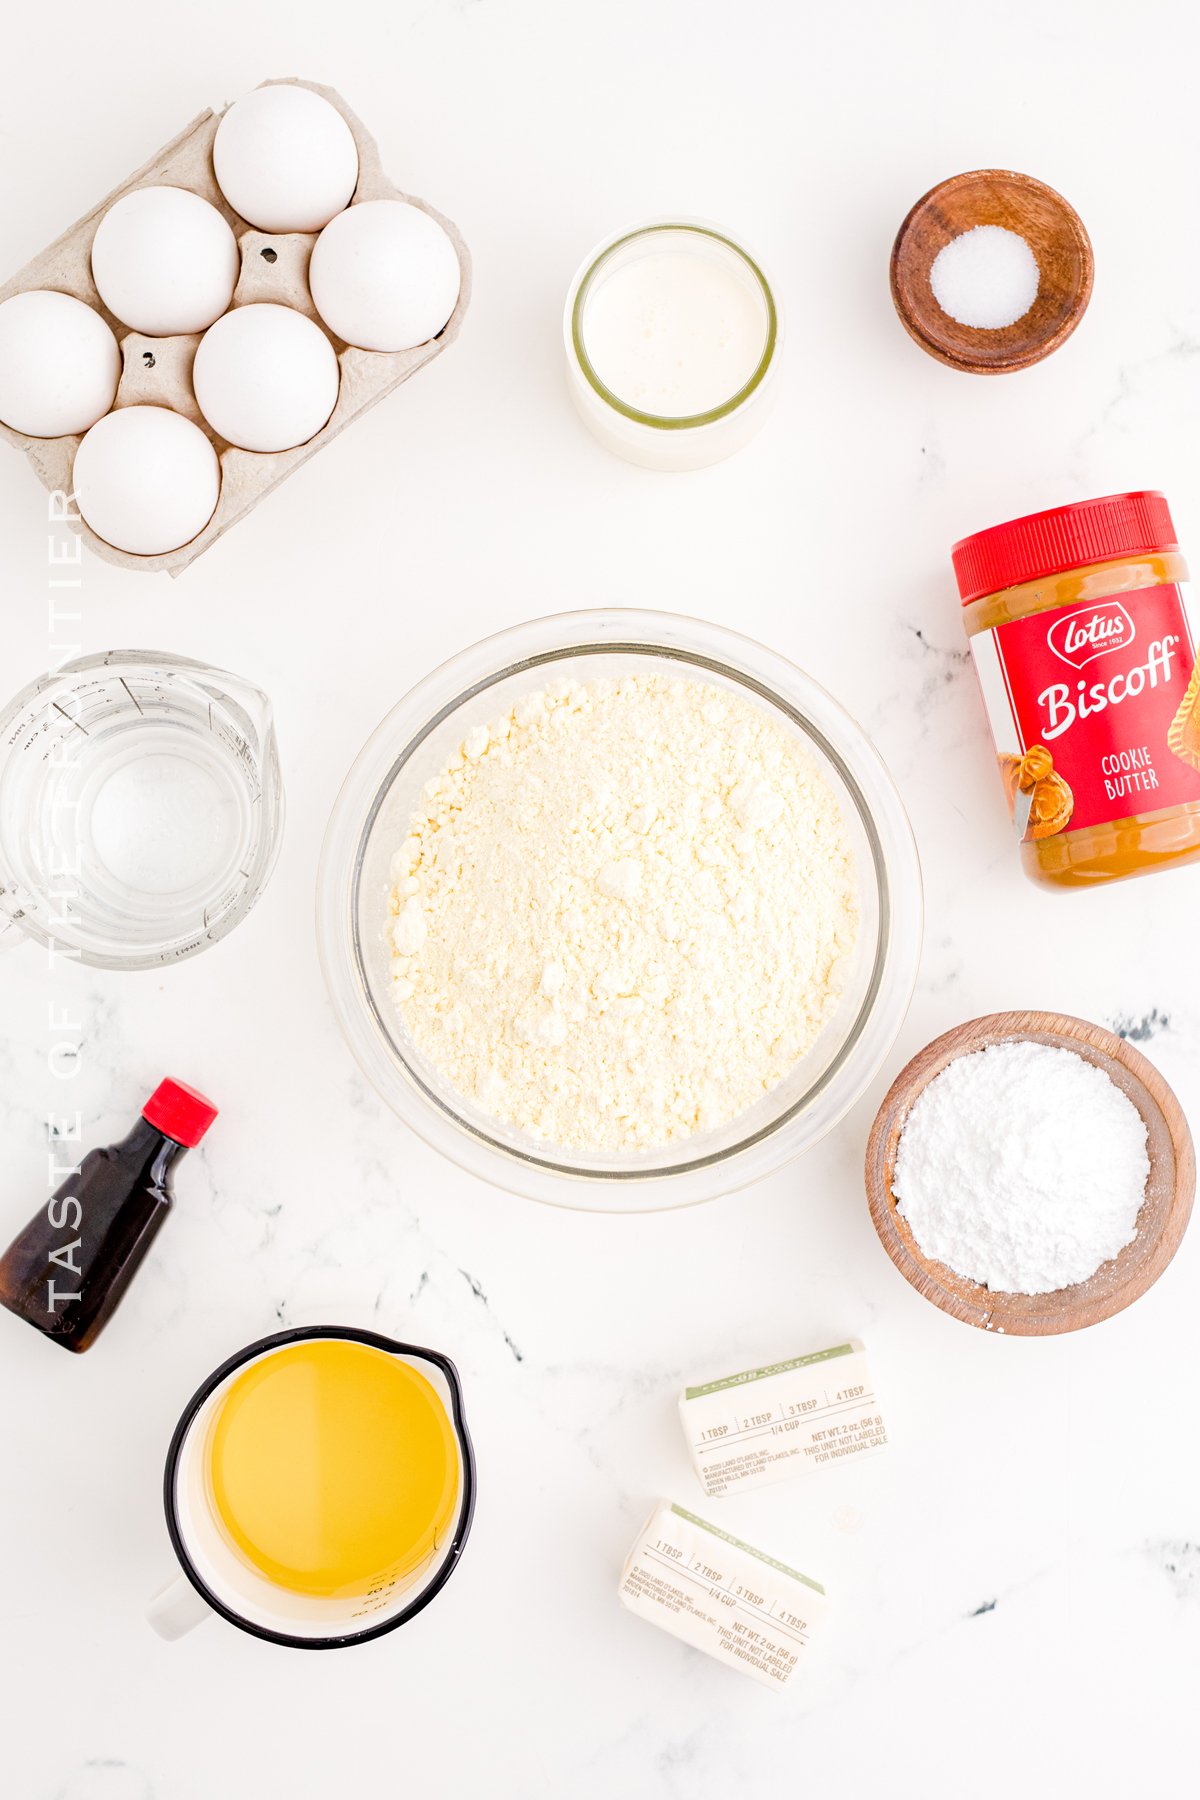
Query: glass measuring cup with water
column 141, row 808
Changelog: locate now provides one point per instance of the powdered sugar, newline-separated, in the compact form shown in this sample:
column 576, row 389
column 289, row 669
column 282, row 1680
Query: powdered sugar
column 1022, row 1166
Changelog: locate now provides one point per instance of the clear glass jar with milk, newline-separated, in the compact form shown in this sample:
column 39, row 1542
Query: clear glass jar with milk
column 673, row 341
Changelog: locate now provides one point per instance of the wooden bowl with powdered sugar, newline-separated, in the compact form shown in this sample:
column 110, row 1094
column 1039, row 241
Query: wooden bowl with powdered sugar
column 1161, row 1220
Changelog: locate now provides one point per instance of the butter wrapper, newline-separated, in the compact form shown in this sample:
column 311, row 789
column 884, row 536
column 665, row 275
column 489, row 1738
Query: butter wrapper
column 721, row 1595
column 764, row 1425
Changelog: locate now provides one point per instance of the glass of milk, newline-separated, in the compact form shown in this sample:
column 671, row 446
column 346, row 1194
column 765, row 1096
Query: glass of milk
column 673, row 342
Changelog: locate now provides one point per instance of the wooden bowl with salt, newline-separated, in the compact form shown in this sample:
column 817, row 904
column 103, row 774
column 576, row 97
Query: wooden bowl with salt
column 1164, row 1213
column 1054, row 233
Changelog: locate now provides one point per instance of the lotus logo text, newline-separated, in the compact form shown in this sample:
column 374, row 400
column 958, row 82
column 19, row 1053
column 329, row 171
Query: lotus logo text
column 1090, row 632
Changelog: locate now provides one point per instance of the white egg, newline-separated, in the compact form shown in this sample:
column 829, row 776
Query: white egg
column 266, row 377
column 165, row 261
column 146, row 479
column 384, row 276
column 285, row 159
column 59, row 364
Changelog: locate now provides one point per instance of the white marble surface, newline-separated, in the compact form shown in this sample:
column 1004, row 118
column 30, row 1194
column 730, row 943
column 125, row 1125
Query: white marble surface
column 1017, row 1585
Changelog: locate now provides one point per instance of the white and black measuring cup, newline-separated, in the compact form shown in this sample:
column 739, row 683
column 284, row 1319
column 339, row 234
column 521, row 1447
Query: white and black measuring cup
column 216, row 1580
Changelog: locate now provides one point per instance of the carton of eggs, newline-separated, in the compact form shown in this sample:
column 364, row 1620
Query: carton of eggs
column 208, row 327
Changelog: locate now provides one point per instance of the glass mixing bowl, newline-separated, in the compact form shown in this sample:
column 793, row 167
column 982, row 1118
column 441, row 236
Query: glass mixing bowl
column 370, row 821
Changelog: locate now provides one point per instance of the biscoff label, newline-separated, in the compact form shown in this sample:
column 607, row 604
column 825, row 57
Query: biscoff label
column 1086, row 706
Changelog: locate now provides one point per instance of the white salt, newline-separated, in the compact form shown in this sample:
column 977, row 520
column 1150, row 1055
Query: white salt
column 1023, row 1167
column 985, row 278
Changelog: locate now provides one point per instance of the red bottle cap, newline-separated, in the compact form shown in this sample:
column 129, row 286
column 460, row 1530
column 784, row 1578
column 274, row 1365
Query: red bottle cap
column 1066, row 537
column 179, row 1112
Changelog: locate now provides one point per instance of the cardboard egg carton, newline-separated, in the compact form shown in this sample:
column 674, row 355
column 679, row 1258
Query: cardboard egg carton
column 157, row 371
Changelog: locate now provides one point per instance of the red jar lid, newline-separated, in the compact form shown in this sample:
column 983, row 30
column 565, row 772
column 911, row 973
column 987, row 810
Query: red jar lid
column 1066, row 537
column 179, row 1112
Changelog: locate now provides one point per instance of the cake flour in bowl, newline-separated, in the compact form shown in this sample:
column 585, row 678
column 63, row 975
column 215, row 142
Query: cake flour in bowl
column 623, row 911
column 619, row 910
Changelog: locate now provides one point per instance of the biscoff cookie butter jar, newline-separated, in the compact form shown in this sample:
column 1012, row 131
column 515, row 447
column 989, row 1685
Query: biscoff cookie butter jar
column 1086, row 657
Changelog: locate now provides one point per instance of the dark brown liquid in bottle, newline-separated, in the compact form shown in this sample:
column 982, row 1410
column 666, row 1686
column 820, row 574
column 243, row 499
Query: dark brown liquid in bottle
column 67, row 1270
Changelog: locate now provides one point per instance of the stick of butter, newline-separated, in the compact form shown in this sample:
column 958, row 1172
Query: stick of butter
column 718, row 1594
column 766, row 1424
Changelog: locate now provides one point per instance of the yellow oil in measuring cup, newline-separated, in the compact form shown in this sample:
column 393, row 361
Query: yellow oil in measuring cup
column 332, row 1467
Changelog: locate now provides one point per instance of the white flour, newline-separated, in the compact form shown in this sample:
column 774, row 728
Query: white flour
column 1023, row 1167
column 623, row 912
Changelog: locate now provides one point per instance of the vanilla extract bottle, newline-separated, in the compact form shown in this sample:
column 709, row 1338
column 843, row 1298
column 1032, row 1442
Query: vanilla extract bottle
column 66, row 1271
